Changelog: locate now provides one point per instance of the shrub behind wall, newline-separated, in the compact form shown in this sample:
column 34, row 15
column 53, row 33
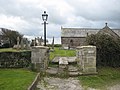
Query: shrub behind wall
column 15, row 59
column 108, row 49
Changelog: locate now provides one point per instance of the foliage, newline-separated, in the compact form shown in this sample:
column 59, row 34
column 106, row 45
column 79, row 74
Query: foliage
column 108, row 49
column 55, row 45
column 60, row 52
column 106, row 76
column 15, row 79
column 10, row 36
column 32, row 67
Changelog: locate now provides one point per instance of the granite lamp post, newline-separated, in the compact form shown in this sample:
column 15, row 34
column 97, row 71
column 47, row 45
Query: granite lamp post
column 44, row 17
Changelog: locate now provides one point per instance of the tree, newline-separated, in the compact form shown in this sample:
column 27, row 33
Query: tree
column 11, row 36
column 108, row 49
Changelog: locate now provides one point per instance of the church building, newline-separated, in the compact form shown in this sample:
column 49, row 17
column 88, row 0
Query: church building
column 73, row 37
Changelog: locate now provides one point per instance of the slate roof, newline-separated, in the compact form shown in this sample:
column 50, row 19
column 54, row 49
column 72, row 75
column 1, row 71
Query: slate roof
column 82, row 32
column 77, row 32
column 111, row 32
column 117, row 31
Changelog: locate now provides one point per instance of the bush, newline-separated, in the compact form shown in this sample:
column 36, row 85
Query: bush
column 108, row 49
column 32, row 67
column 55, row 45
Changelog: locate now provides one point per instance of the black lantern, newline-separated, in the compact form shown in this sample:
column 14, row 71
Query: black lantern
column 44, row 17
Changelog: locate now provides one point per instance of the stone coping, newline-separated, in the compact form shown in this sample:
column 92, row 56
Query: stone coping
column 85, row 47
column 34, row 83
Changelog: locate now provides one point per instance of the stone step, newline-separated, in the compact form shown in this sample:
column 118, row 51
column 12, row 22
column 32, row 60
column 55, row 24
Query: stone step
column 72, row 68
column 56, row 71
column 52, row 71
column 74, row 74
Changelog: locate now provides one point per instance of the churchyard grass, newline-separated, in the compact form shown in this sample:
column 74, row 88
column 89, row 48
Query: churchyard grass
column 11, row 50
column 7, row 50
column 16, row 79
column 106, row 77
column 61, row 53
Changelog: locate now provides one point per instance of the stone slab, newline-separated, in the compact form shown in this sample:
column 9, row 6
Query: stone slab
column 63, row 61
column 69, row 59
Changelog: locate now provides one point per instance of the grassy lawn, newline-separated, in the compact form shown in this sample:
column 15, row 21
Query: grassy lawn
column 11, row 50
column 106, row 77
column 15, row 79
column 59, row 52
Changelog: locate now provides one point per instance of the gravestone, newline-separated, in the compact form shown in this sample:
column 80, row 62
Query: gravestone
column 42, row 41
column 32, row 43
column 39, row 41
column 53, row 44
column 86, row 58
column 35, row 42
column 18, row 42
column 40, row 57
column 22, row 44
column 27, row 44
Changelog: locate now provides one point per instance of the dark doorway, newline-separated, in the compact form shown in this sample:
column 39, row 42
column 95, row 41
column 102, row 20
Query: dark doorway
column 71, row 42
column 70, row 45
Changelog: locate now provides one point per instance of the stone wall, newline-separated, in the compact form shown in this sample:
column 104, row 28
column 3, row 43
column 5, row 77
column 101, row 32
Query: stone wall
column 86, row 58
column 77, row 41
column 40, row 57
column 15, row 59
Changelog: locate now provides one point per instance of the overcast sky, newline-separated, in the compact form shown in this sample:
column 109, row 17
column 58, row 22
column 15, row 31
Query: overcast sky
column 25, row 15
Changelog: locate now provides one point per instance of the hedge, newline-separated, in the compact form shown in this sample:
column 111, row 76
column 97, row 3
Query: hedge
column 108, row 49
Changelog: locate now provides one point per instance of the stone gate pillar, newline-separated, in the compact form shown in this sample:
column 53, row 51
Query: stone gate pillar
column 86, row 59
column 40, row 57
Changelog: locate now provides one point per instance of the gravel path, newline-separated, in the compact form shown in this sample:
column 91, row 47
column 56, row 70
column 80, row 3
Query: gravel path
column 115, row 87
column 53, row 83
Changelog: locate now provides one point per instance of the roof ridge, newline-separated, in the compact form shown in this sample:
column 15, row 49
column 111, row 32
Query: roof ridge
column 82, row 28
